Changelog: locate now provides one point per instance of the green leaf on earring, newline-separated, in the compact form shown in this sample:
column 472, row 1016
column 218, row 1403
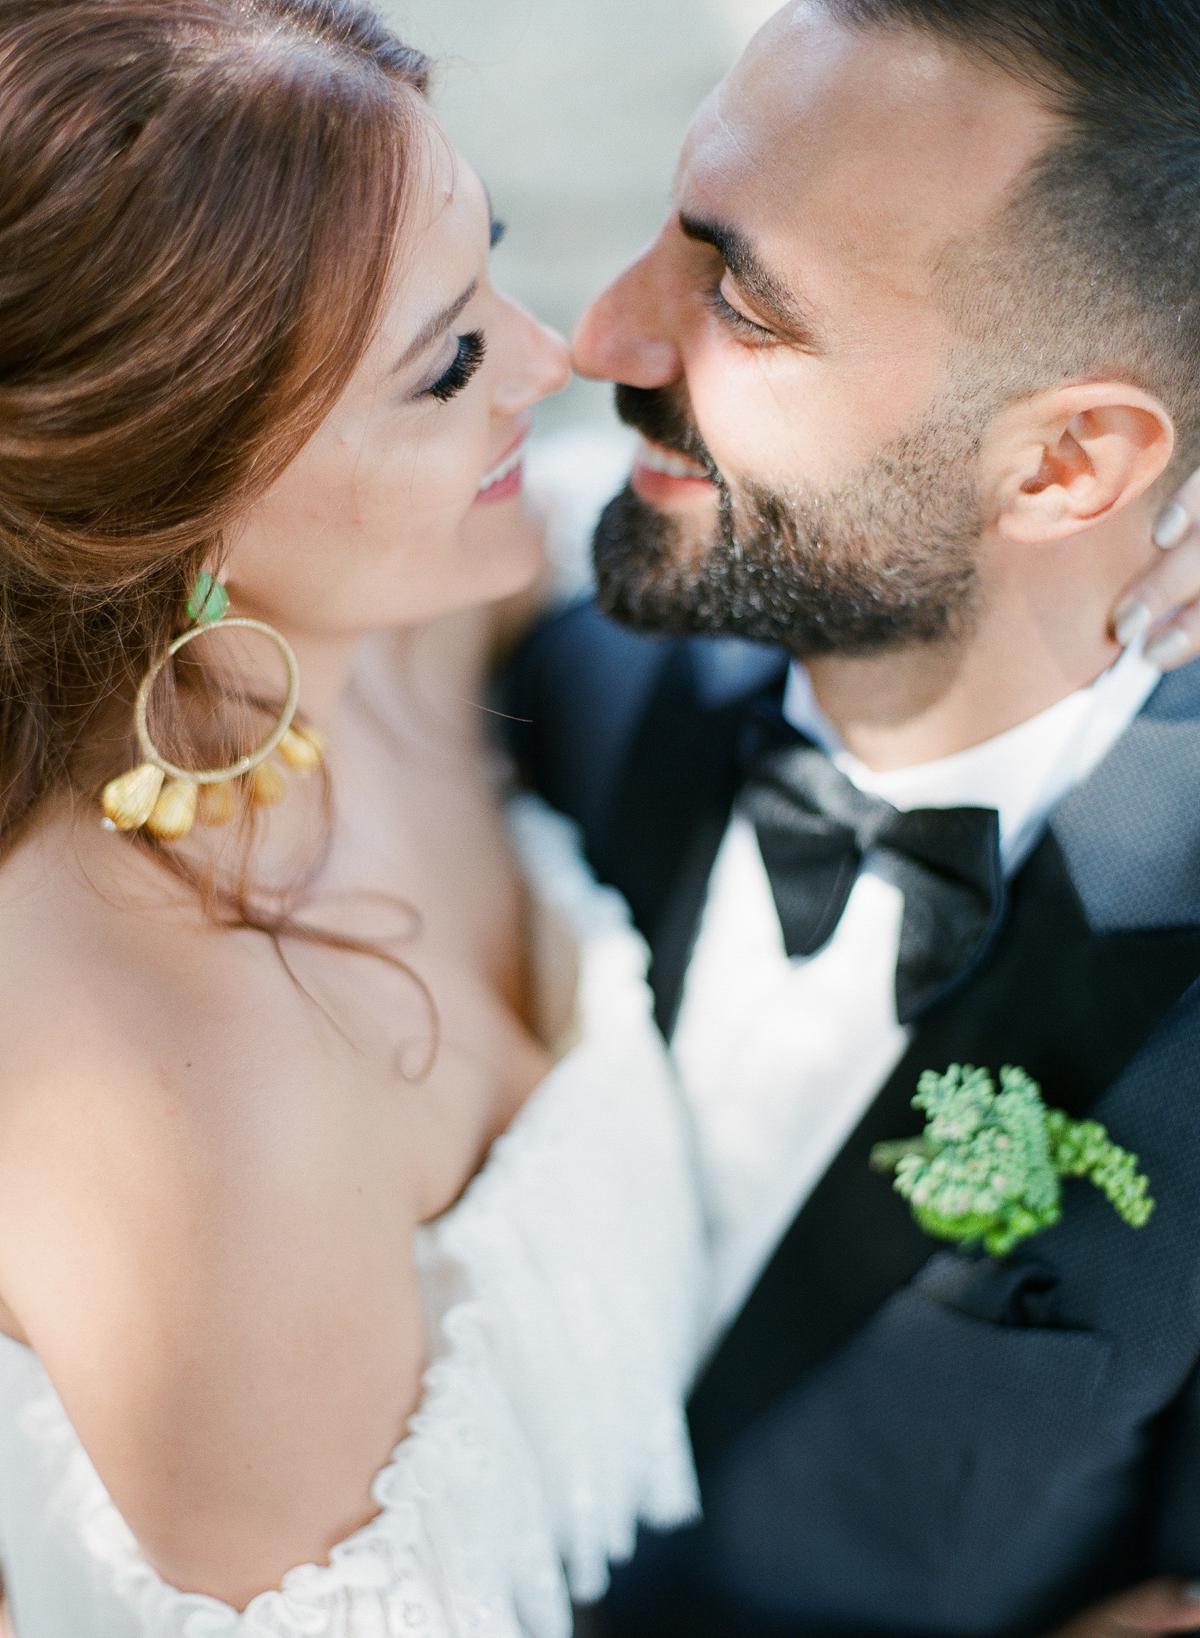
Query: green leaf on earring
column 209, row 600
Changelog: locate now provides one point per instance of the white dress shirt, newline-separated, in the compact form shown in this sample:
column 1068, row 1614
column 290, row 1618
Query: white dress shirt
column 781, row 1057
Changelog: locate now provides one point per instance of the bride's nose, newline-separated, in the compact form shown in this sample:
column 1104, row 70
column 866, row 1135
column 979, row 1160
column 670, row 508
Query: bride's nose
column 537, row 363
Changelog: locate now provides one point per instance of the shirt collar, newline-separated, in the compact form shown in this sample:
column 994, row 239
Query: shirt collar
column 1023, row 773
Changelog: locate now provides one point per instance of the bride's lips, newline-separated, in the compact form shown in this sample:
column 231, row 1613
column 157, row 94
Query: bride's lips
column 503, row 481
column 664, row 477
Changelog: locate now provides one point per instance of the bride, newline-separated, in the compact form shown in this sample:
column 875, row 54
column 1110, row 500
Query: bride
column 350, row 1275
column 348, row 1268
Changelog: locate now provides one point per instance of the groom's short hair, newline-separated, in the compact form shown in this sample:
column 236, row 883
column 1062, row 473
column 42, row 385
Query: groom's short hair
column 1095, row 265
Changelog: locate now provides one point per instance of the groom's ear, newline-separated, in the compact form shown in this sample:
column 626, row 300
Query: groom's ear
column 1065, row 460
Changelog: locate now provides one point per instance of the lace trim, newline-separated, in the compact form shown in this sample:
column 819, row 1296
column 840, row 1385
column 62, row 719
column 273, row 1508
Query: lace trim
column 431, row 1563
column 568, row 1282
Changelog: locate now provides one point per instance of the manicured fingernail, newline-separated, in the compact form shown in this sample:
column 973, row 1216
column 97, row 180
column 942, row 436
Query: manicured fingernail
column 1191, row 1592
column 1132, row 621
column 1173, row 523
column 1171, row 646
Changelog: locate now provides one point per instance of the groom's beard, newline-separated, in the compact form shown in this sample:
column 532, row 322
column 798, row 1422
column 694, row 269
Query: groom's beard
column 886, row 559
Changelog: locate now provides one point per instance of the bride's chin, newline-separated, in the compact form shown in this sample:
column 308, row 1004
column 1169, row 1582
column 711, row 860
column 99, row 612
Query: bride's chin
column 504, row 541
column 521, row 572
column 497, row 577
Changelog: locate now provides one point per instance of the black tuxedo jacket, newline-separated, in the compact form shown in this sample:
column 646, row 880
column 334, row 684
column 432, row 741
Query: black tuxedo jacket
column 896, row 1437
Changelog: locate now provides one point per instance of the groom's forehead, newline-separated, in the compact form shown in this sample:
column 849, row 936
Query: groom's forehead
column 864, row 146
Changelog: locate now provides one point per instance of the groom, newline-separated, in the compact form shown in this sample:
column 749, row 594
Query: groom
column 916, row 359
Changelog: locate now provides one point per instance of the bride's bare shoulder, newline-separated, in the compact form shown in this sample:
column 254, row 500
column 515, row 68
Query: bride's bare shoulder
column 108, row 959
column 185, row 1239
column 135, row 1027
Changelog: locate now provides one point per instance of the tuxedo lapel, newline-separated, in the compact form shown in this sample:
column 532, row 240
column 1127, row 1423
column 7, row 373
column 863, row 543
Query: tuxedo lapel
column 1091, row 958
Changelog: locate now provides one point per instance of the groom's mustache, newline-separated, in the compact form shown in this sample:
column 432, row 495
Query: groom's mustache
column 659, row 416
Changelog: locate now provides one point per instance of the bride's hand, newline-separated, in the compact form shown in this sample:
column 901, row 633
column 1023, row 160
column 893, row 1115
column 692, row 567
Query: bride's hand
column 1170, row 588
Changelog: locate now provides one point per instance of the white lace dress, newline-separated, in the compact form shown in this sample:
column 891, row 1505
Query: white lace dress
column 563, row 1292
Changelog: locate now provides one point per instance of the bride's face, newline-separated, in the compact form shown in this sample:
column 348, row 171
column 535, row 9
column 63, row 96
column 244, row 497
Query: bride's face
column 395, row 511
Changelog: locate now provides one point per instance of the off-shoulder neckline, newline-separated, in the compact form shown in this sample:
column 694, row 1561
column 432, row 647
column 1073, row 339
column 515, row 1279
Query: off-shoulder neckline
column 464, row 1405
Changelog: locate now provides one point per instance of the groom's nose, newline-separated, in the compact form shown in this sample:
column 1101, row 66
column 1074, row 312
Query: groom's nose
column 625, row 334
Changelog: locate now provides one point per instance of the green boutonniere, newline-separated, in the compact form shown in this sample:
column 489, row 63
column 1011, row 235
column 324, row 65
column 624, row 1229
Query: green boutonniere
column 989, row 1166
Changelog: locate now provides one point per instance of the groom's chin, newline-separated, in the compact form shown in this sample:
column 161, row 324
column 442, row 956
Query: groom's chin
column 640, row 555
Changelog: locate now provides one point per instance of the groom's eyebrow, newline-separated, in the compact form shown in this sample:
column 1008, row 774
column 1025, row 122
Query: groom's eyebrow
column 768, row 291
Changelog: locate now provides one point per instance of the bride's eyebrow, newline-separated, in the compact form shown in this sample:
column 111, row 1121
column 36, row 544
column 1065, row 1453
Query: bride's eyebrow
column 441, row 322
column 436, row 326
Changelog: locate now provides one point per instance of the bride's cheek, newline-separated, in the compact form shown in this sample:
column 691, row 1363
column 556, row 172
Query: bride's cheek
column 437, row 468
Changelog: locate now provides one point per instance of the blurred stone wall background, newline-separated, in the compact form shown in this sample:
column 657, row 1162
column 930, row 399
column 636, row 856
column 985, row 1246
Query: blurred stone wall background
column 573, row 111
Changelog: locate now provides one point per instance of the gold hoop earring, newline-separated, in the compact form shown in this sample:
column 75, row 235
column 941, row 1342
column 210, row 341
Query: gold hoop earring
column 166, row 798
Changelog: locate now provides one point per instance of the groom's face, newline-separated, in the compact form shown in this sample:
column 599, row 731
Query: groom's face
column 787, row 333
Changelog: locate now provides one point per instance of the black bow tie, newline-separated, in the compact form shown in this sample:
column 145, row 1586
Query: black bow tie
column 814, row 826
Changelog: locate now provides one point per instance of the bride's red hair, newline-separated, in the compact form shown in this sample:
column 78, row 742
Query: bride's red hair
column 199, row 207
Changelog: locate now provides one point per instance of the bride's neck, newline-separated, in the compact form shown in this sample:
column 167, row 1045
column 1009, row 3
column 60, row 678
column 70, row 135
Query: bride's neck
column 325, row 663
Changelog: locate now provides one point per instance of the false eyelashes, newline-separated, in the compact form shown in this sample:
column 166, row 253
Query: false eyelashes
column 472, row 350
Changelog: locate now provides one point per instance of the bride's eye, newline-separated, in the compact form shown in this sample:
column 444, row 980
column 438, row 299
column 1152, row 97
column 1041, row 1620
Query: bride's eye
column 472, row 349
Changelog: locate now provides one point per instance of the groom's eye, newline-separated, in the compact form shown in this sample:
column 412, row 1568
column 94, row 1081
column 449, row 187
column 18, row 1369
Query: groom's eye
column 738, row 322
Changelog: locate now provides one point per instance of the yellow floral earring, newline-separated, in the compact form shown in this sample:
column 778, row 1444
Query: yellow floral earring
column 168, row 799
